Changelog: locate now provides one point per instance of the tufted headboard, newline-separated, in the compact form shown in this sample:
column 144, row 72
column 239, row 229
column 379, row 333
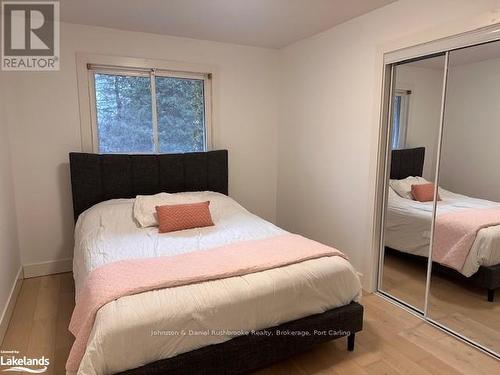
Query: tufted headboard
column 97, row 177
column 407, row 162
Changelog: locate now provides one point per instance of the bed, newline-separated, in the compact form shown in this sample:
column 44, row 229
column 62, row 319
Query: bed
column 408, row 226
column 233, row 325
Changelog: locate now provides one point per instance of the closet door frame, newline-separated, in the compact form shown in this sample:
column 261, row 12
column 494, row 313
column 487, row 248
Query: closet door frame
column 436, row 183
column 444, row 46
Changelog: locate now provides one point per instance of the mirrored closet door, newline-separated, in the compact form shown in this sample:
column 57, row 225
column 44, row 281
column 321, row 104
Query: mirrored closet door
column 440, row 212
column 413, row 139
column 467, row 230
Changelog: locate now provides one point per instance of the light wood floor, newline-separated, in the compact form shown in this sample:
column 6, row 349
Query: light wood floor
column 405, row 279
column 392, row 342
column 460, row 306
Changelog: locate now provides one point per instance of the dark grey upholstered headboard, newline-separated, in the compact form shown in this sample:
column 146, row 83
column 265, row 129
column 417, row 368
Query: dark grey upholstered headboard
column 407, row 162
column 96, row 177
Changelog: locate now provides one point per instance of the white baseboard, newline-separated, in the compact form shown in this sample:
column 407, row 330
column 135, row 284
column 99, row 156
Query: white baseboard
column 11, row 302
column 48, row 268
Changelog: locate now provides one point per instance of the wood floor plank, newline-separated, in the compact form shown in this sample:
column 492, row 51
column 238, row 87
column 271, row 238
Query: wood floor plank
column 450, row 350
column 20, row 326
column 438, row 367
column 367, row 353
column 393, row 342
column 382, row 367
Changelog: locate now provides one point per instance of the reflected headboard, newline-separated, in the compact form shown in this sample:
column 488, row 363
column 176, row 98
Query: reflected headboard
column 407, row 162
column 98, row 177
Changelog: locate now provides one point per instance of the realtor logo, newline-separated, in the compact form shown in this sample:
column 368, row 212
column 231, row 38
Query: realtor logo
column 30, row 35
column 15, row 363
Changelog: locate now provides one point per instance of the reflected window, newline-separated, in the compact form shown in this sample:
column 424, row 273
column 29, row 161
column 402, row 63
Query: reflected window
column 400, row 119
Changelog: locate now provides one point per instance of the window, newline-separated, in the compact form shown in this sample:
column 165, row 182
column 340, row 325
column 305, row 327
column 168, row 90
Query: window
column 148, row 110
column 400, row 108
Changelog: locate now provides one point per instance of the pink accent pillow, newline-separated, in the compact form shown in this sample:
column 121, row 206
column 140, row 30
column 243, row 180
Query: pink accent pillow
column 423, row 192
column 176, row 217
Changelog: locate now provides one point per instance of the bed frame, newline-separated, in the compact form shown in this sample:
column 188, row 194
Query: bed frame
column 96, row 178
column 410, row 162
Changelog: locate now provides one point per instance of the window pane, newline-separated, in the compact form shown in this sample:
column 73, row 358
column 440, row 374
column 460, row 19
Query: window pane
column 123, row 106
column 181, row 114
column 396, row 125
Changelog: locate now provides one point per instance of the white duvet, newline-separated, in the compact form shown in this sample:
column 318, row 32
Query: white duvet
column 408, row 227
column 147, row 327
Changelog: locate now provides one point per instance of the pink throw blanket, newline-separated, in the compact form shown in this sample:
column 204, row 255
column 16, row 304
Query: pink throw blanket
column 456, row 232
column 119, row 279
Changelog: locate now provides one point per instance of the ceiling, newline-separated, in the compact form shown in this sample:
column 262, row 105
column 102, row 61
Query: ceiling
column 262, row 23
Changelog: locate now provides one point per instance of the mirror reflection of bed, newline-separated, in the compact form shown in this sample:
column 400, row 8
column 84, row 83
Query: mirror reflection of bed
column 466, row 241
column 458, row 298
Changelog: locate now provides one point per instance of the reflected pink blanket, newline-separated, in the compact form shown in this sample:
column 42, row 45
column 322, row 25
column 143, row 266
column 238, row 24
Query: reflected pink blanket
column 456, row 232
column 119, row 279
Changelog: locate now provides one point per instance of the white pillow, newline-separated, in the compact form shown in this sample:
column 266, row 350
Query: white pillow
column 145, row 206
column 403, row 187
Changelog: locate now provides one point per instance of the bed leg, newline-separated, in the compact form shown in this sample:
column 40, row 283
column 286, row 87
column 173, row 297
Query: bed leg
column 350, row 341
column 491, row 295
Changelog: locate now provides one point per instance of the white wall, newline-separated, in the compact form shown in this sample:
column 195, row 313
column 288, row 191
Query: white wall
column 45, row 126
column 9, row 252
column 424, row 114
column 329, row 106
column 471, row 150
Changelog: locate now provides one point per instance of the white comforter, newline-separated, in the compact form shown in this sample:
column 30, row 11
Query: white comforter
column 408, row 227
column 146, row 327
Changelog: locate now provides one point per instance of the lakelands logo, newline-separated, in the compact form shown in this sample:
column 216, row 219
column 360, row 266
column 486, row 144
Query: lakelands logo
column 13, row 363
column 30, row 35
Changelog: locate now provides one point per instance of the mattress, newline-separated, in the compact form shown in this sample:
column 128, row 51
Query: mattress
column 143, row 328
column 408, row 227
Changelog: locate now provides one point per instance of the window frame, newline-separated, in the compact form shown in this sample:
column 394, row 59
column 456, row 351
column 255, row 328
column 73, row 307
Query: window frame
column 88, row 65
